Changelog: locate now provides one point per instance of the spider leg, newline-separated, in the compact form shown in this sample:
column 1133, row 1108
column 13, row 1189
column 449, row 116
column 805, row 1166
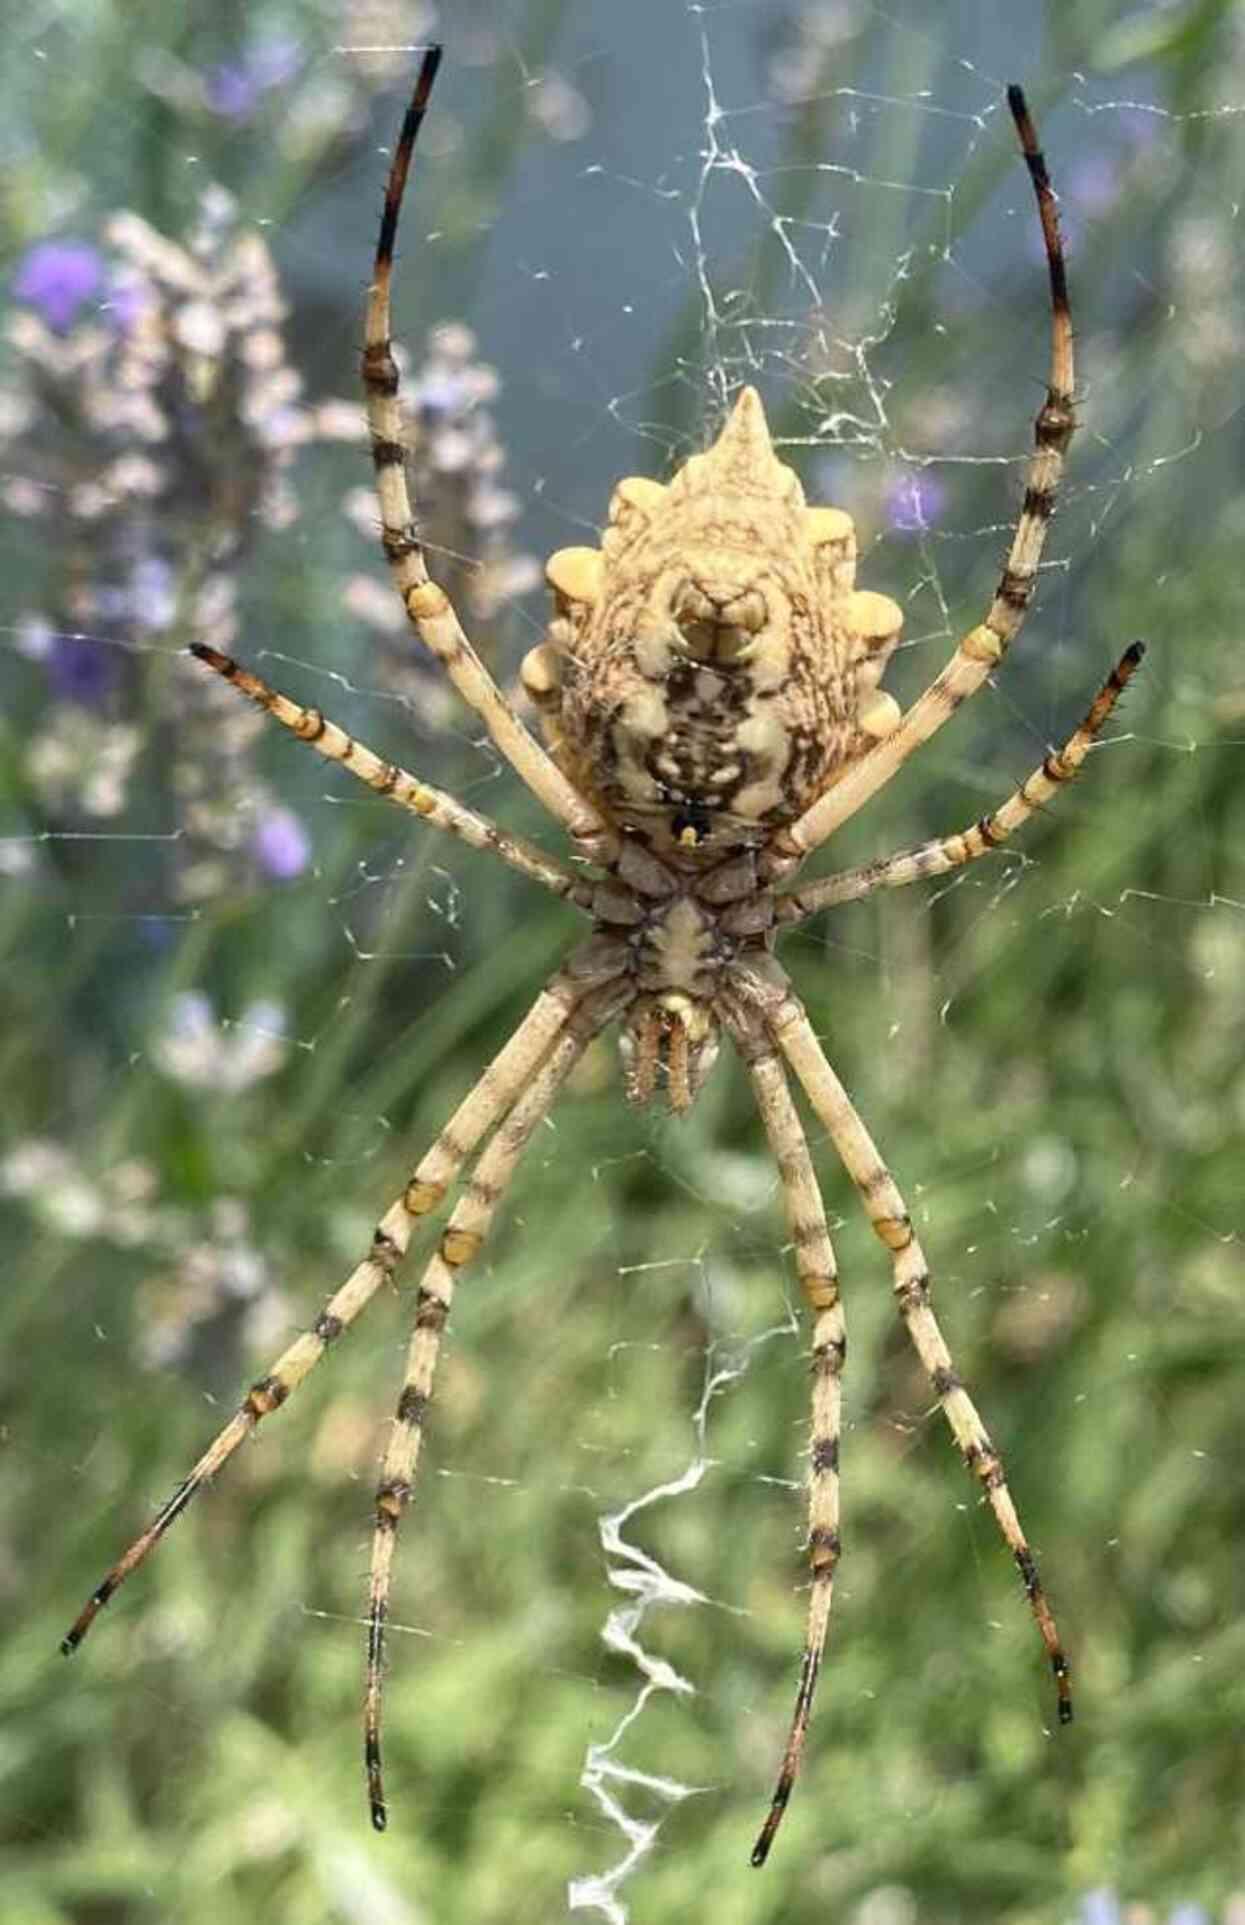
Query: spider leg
column 398, row 784
column 983, row 648
column 891, row 1222
column 936, row 857
column 815, row 1266
column 494, row 1093
column 464, row 1234
column 427, row 606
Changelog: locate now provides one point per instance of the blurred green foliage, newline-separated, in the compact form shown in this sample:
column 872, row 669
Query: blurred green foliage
column 1048, row 1051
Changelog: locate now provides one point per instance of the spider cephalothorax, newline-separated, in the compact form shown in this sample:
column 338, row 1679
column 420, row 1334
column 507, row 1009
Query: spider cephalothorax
column 709, row 695
column 711, row 666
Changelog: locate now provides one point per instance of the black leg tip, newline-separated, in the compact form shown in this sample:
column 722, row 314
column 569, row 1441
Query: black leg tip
column 223, row 664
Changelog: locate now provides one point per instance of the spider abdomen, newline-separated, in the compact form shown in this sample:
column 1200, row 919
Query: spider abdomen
column 711, row 669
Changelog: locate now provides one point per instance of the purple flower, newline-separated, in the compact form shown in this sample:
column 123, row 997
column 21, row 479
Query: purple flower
column 281, row 844
column 81, row 670
column 234, row 88
column 129, row 297
column 57, row 277
column 914, row 503
column 230, row 91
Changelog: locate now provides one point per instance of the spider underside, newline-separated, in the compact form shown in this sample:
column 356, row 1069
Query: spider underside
column 708, row 691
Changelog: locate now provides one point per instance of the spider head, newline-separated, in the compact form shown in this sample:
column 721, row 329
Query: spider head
column 672, row 1034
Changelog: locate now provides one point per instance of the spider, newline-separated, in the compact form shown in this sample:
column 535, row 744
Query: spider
column 708, row 691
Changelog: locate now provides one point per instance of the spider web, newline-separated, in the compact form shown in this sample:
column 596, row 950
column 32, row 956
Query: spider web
column 823, row 200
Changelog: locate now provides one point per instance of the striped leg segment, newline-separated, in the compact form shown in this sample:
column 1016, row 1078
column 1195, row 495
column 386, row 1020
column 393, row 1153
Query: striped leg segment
column 815, row 1266
column 428, row 607
column 492, row 1096
column 464, row 1234
column 984, row 647
column 398, row 784
column 889, row 1216
column 935, row 858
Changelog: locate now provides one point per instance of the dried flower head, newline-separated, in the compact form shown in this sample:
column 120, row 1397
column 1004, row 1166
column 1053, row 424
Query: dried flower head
column 156, row 417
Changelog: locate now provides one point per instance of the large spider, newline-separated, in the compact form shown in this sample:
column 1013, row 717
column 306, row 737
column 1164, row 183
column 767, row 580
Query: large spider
column 708, row 690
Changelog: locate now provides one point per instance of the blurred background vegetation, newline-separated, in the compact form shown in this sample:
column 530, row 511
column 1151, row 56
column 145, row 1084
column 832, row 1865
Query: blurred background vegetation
column 238, row 996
